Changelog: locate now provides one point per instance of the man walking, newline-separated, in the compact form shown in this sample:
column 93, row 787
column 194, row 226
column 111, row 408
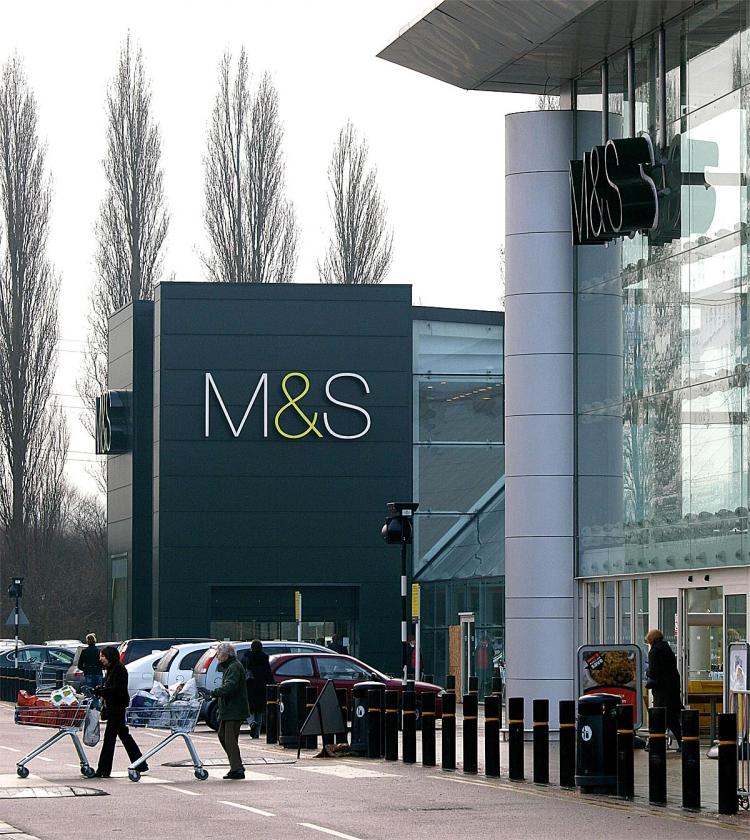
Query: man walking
column 233, row 706
column 89, row 663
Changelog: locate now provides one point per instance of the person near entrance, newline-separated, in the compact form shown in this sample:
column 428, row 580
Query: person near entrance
column 114, row 692
column 485, row 655
column 233, row 706
column 90, row 664
column 336, row 646
column 259, row 675
column 663, row 678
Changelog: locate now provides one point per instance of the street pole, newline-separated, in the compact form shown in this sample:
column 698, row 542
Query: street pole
column 15, row 657
column 404, row 608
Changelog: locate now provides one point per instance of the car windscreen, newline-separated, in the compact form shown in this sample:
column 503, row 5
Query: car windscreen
column 166, row 660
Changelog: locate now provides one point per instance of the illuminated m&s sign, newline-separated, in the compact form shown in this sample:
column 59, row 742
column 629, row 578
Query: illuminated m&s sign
column 294, row 386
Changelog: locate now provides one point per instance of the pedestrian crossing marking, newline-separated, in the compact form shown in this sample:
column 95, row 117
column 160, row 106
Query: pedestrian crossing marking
column 145, row 779
column 11, row 780
column 344, row 771
column 250, row 775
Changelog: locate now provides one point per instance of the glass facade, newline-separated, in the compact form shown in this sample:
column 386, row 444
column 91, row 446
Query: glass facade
column 663, row 436
column 459, row 477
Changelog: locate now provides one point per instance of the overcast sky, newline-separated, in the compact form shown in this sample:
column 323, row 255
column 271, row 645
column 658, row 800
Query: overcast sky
column 439, row 150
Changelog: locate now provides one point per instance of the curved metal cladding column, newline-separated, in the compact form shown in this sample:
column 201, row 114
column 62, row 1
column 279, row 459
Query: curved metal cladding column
column 539, row 407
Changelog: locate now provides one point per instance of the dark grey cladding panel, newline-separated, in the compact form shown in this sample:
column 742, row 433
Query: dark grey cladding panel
column 187, row 387
column 241, row 458
column 121, row 372
column 321, row 317
column 227, row 494
column 283, row 292
column 287, row 353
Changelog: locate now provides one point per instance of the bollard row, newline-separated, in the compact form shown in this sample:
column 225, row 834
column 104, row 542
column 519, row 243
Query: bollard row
column 379, row 738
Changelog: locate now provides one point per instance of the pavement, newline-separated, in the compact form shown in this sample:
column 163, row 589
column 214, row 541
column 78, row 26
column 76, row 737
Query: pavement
column 348, row 798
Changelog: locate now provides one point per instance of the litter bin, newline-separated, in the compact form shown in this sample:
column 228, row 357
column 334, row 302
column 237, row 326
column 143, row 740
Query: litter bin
column 361, row 713
column 292, row 711
column 596, row 747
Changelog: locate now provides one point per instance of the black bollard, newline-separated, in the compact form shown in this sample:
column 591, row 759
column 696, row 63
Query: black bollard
column 515, row 739
column 541, row 741
column 728, row 764
column 657, row 755
column 409, row 726
column 471, row 706
column 428, row 729
column 473, row 685
column 567, row 712
column 310, row 742
column 373, row 723
column 272, row 714
column 391, row 725
column 341, row 738
column 492, row 735
column 450, row 683
column 449, row 732
column 625, row 747
column 691, row 760
column 497, row 686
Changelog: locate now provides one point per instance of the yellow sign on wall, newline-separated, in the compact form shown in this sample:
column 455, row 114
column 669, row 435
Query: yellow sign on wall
column 415, row 601
column 298, row 606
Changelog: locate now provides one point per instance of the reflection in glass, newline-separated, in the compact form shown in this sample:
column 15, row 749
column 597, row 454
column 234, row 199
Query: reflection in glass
column 453, row 409
column 593, row 612
column 626, row 615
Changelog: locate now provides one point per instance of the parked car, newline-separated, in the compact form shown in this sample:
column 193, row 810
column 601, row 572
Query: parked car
column 207, row 675
column 136, row 648
column 70, row 643
column 53, row 662
column 74, row 675
column 178, row 663
column 345, row 671
column 141, row 672
column 10, row 643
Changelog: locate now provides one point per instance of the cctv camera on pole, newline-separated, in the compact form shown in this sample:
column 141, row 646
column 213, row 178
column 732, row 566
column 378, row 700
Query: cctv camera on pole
column 398, row 529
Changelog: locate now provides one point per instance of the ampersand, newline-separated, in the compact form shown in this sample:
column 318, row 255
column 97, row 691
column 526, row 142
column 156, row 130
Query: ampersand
column 293, row 404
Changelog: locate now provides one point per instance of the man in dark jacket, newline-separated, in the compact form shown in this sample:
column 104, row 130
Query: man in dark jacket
column 233, row 708
column 116, row 699
column 89, row 663
column 259, row 675
column 663, row 679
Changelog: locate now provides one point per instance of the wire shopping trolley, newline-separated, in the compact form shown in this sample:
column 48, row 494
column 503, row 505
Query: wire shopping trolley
column 180, row 718
column 67, row 720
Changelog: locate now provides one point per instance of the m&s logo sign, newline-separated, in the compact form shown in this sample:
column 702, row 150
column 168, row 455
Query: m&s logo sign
column 295, row 387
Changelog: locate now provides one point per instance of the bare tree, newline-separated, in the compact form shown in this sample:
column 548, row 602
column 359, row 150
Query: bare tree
column 361, row 247
column 133, row 218
column 251, row 226
column 33, row 437
column 547, row 102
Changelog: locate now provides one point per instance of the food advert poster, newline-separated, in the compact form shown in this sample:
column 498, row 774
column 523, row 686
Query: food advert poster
column 614, row 669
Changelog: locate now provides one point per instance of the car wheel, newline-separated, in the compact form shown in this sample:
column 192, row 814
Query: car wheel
column 212, row 716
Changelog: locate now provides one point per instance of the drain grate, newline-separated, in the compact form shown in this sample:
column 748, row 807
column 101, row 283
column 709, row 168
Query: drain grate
column 52, row 792
column 223, row 762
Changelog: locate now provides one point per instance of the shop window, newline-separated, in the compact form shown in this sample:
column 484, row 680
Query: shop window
column 593, row 611
column 736, row 606
column 609, row 612
column 624, row 588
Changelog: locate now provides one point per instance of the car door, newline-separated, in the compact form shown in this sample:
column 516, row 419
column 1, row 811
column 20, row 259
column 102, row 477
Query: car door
column 296, row 667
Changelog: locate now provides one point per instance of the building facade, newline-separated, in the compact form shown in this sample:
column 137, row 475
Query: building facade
column 627, row 339
column 255, row 433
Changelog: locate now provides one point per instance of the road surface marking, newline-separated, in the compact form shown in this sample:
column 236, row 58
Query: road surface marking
column 329, row 831
column 10, row 749
column 343, row 771
column 43, row 758
column 146, row 779
column 248, row 808
column 250, row 775
column 182, row 790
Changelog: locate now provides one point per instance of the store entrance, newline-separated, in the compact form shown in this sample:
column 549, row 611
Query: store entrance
column 701, row 645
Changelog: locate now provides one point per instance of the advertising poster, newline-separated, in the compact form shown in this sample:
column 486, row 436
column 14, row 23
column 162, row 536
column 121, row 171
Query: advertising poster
column 737, row 666
column 614, row 669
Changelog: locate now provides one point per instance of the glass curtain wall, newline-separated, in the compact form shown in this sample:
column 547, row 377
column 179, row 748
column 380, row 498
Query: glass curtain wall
column 459, row 476
column 678, row 394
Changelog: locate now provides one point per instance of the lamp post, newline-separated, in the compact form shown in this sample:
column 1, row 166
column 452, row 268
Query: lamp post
column 398, row 529
column 15, row 590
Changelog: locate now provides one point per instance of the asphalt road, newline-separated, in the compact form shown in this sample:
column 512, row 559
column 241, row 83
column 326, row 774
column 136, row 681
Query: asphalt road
column 353, row 799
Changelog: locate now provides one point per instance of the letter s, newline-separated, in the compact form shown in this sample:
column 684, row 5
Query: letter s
column 347, row 405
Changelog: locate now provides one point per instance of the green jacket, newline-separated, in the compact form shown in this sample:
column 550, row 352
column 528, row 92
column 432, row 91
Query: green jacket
column 232, row 692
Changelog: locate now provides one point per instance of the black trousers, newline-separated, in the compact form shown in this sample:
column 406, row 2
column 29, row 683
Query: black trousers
column 673, row 705
column 116, row 728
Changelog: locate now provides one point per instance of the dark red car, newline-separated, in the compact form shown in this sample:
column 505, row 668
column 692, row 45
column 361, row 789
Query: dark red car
column 345, row 671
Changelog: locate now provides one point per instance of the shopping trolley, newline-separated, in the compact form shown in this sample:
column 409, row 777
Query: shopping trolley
column 180, row 718
column 67, row 720
column 48, row 678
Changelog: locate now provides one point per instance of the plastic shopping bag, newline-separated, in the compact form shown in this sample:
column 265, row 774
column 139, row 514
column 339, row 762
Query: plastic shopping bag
column 91, row 727
column 160, row 693
column 189, row 691
column 64, row 696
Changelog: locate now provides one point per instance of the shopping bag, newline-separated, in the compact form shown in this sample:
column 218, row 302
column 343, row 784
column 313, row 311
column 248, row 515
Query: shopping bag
column 91, row 727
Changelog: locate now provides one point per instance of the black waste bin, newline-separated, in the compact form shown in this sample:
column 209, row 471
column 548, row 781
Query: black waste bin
column 360, row 714
column 292, row 711
column 596, row 743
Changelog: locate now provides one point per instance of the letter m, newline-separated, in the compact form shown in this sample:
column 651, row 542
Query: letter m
column 211, row 386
